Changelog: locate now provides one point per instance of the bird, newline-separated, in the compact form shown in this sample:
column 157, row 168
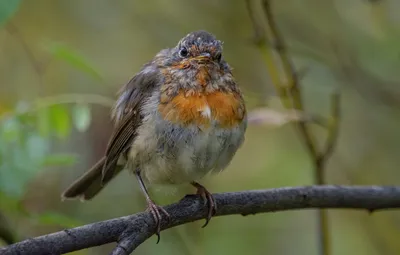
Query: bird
column 181, row 117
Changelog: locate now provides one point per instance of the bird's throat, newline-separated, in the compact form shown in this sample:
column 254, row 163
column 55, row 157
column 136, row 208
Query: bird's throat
column 203, row 76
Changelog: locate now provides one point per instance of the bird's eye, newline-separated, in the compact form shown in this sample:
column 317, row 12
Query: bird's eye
column 218, row 57
column 183, row 52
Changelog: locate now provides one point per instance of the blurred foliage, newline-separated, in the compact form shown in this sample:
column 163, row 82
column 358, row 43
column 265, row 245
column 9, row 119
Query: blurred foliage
column 7, row 9
column 28, row 132
column 58, row 59
column 66, row 54
column 26, row 137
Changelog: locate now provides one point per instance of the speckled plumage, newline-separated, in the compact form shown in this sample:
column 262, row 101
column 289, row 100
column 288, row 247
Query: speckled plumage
column 181, row 117
column 174, row 152
column 169, row 153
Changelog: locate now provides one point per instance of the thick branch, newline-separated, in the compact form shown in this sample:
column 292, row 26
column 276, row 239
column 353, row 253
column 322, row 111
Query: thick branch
column 131, row 231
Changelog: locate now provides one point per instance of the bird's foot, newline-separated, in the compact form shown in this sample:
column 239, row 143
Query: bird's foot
column 208, row 199
column 156, row 212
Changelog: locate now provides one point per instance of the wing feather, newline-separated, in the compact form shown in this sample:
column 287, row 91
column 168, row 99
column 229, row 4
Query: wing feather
column 127, row 117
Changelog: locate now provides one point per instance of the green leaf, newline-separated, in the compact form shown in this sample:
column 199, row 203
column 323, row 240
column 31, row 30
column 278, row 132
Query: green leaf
column 82, row 116
column 43, row 121
column 7, row 9
column 10, row 204
column 54, row 218
column 60, row 120
column 37, row 148
column 66, row 54
column 10, row 184
column 10, row 130
column 59, row 160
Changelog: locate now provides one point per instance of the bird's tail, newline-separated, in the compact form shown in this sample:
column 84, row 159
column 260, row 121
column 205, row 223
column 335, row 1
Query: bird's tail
column 89, row 184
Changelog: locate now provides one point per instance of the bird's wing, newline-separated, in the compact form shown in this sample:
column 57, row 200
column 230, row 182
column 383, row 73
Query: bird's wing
column 127, row 116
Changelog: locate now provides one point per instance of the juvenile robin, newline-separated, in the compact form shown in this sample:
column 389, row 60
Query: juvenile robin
column 181, row 117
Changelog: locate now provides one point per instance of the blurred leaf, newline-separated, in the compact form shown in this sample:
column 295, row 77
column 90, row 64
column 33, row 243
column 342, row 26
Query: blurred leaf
column 10, row 130
column 22, row 107
column 4, row 109
column 25, row 148
column 43, row 121
column 8, row 9
column 37, row 148
column 66, row 54
column 54, row 218
column 21, row 162
column 60, row 120
column 10, row 204
column 274, row 118
column 6, row 232
column 10, row 182
column 81, row 116
column 58, row 160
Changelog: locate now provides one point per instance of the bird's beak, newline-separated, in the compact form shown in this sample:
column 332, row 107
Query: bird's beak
column 204, row 58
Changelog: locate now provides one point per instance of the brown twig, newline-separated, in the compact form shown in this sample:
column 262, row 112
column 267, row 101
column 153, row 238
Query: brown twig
column 292, row 86
column 289, row 92
column 333, row 130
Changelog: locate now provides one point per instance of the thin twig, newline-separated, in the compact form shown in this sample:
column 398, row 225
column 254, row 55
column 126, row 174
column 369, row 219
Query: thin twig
column 325, row 246
column 39, row 67
column 131, row 231
column 290, row 95
column 259, row 36
column 290, row 73
column 333, row 130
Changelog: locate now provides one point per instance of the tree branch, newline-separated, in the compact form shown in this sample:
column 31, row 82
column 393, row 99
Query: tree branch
column 130, row 231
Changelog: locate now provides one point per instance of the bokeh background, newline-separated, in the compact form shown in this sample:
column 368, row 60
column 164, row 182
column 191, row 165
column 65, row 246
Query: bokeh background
column 62, row 62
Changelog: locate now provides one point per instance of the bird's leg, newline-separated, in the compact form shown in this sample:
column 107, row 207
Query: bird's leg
column 154, row 209
column 208, row 199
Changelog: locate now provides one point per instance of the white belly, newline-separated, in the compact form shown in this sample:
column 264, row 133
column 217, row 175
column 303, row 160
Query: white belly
column 166, row 153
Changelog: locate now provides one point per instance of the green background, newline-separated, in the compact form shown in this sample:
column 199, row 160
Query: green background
column 61, row 63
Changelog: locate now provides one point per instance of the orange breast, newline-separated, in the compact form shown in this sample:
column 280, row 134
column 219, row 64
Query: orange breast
column 200, row 109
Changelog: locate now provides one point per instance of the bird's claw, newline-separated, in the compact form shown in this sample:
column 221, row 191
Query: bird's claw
column 156, row 212
column 208, row 199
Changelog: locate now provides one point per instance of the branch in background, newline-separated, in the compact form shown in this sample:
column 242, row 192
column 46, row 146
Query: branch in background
column 292, row 85
column 290, row 95
column 333, row 128
column 39, row 67
column 5, row 231
column 259, row 36
column 131, row 231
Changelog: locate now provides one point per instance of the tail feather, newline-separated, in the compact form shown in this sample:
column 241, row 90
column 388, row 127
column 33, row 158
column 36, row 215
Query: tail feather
column 89, row 184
